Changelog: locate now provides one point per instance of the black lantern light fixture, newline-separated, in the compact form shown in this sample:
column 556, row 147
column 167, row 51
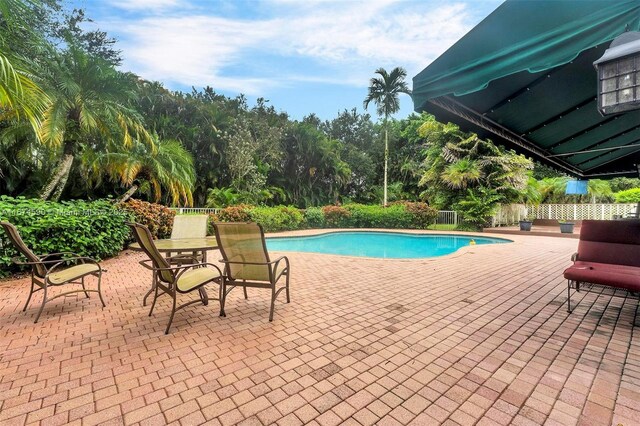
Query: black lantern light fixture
column 619, row 75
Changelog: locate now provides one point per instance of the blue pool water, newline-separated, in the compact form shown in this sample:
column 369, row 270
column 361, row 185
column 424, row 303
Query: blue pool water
column 391, row 245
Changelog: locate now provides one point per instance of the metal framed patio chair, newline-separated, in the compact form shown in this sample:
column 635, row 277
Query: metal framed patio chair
column 247, row 262
column 53, row 270
column 189, row 226
column 174, row 280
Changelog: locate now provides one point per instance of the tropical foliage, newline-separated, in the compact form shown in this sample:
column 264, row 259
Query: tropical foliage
column 72, row 125
column 628, row 196
column 470, row 173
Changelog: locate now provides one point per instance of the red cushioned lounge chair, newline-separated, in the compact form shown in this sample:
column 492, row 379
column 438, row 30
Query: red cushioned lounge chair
column 608, row 256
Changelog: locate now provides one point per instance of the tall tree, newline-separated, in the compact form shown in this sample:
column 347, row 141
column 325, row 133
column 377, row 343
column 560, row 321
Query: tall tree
column 311, row 172
column 384, row 91
column 459, row 164
column 90, row 97
column 358, row 137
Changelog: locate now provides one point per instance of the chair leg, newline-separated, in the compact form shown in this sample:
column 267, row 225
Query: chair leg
column 173, row 311
column 246, row 296
column 155, row 297
column 84, row 288
column 153, row 281
column 100, row 290
column 223, row 296
column 569, row 296
column 287, row 289
column 44, row 300
column 28, row 298
column 203, row 296
column 273, row 301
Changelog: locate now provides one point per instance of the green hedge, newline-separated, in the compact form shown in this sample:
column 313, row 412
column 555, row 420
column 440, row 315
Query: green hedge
column 629, row 196
column 394, row 216
column 401, row 215
column 314, row 218
column 90, row 228
column 275, row 219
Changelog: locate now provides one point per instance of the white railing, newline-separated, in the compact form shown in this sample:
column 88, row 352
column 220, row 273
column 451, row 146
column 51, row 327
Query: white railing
column 193, row 210
column 447, row 217
column 511, row 213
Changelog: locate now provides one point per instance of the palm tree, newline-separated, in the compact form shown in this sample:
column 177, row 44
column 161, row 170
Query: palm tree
column 599, row 189
column 384, row 92
column 20, row 96
column 461, row 174
column 169, row 168
column 90, row 98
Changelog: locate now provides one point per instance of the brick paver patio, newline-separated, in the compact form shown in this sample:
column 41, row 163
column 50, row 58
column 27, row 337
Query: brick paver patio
column 478, row 337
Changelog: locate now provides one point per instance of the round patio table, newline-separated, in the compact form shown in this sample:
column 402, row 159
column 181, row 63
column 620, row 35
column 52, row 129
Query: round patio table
column 178, row 245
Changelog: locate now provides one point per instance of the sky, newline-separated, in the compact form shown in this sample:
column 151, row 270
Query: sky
column 303, row 56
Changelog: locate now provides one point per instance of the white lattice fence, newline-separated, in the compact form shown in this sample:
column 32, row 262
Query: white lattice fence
column 508, row 214
column 512, row 213
column 581, row 211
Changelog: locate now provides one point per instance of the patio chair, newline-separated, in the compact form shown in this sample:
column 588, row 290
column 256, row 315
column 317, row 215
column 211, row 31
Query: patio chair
column 52, row 270
column 189, row 226
column 247, row 262
column 178, row 279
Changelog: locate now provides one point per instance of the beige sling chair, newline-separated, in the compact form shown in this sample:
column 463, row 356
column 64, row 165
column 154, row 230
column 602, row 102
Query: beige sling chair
column 177, row 279
column 189, row 226
column 247, row 262
column 52, row 270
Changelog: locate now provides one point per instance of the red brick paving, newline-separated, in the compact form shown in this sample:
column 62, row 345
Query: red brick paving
column 479, row 337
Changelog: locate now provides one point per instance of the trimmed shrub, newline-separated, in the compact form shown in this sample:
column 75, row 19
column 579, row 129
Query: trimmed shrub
column 336, row 217
column 392, row 216
column 275, row 219
column 422, row 215
column 95, row 229
column 629, row 196
column 156, row 217
column 314, row 218
column 239, row 213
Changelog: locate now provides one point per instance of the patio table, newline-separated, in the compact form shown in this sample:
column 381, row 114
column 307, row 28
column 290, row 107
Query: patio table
column 176, row 245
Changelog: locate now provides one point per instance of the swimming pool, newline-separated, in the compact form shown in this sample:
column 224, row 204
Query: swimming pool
column 389, row 245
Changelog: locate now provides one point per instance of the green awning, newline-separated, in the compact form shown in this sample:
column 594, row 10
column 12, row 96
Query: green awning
column 524, row 77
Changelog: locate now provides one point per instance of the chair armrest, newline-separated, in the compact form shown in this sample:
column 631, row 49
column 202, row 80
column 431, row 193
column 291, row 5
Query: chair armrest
column 278, row 260
column 220, row 274
column 17, row 260
column 146, row 264
column 63, row 253
column 574, row 257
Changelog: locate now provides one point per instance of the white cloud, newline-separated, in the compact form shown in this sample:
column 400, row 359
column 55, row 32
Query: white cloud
column 149, row 5
column 345, row 40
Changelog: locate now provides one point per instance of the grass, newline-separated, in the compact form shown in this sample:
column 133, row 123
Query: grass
column 441, row 227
